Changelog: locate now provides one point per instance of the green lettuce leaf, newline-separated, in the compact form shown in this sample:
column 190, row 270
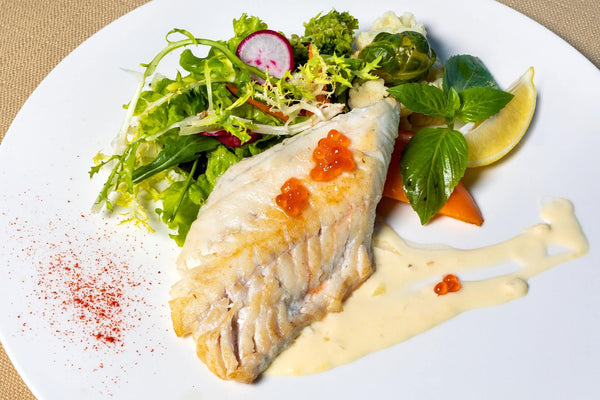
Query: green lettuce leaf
column 243, row 27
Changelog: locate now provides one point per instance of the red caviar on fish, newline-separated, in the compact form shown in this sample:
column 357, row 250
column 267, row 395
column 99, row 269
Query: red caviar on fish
column 293, row 198
column 332, row 157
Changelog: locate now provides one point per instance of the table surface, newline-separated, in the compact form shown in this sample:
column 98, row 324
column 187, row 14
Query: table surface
column 54, row 28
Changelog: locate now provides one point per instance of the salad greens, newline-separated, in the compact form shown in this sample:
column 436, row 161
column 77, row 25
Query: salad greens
column 332, row 33
column 181, row 133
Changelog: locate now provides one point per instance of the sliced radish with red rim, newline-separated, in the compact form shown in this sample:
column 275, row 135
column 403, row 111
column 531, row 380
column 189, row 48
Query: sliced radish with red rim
column 267, row 50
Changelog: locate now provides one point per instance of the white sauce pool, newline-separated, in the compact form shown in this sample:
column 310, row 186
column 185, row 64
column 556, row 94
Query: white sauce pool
column 398, row 301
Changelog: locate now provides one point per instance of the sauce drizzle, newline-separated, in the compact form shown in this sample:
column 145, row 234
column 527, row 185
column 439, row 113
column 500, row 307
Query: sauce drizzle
column 398, row 301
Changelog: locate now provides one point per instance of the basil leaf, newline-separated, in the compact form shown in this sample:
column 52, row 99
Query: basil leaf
column 453, row 102
column 422, row 98
column 432, row 164
column 464, row 71
column 478, row 104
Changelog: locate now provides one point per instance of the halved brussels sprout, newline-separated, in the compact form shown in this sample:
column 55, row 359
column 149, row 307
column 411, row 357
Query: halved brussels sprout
column 405, row 57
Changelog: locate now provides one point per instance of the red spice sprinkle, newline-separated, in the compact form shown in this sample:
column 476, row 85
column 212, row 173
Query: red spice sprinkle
column 81, row 286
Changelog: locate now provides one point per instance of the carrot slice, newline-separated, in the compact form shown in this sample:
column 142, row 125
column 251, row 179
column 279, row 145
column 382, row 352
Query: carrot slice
column 261, row 106
column 310, row 51
column 460, row 205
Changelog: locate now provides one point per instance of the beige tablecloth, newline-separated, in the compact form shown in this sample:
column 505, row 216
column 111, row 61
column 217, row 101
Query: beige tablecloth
column 37, row 34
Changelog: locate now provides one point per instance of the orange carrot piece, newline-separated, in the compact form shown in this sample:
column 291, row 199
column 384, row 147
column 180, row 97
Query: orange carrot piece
column 261, row 106
column 460, row 205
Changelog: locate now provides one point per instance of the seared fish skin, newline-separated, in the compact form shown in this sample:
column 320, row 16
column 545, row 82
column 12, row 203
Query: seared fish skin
column 253, row 277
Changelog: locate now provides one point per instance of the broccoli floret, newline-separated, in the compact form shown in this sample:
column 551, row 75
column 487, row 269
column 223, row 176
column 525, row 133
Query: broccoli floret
column 332, row 33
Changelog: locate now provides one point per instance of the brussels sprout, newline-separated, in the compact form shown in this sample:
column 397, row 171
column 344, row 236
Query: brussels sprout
column 405, row 57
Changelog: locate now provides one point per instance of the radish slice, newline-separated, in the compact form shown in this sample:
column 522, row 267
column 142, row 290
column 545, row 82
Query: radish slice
column 267, row 49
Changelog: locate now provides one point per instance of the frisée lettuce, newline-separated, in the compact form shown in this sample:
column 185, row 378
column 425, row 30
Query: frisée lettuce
column 181, row 133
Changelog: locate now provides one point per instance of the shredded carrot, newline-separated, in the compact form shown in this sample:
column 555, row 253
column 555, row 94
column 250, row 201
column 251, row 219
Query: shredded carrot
column 460, row 205
column 261, row 106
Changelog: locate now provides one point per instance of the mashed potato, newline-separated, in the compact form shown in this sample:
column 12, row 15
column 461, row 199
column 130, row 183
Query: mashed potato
column 364, row 93
column 390, row 22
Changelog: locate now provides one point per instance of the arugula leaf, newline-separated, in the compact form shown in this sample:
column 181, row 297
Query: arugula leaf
column 175, row 152
column 465, row 71
column 432, row 164
column 480, row 103
column 422, row 98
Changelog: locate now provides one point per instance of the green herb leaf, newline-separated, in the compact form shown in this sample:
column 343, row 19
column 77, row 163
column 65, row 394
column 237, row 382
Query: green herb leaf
column 422, row 98
column 219, row 161
column 243, row 27
column 178, row 210
column 453, row 102
column 478, row 103
column 432, row 163
column 464, row 71
column 175, row 152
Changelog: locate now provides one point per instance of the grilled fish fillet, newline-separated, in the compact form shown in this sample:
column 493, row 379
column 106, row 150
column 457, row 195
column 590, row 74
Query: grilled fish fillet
column 251, row 276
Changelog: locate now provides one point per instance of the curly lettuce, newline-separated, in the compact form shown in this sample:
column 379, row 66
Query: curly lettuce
column 168, row 155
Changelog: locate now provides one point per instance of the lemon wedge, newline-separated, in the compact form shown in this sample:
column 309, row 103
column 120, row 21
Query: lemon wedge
column 493, row 138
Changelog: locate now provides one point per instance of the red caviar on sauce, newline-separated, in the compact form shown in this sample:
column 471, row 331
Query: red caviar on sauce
column 293, row 198
column 332, row 157
column 449, row 284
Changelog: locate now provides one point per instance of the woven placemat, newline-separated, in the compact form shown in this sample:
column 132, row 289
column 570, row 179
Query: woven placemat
column 37, row 34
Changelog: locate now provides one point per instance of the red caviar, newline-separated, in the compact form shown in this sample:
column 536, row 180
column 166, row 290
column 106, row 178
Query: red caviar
column 293, row 198
column 332, row 157
column 449, row 284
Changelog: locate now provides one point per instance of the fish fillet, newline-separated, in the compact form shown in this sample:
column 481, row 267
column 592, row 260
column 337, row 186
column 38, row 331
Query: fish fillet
column 251, row 276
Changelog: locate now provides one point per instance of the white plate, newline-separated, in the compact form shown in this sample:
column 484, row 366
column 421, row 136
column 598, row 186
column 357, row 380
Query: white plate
column 542, row 346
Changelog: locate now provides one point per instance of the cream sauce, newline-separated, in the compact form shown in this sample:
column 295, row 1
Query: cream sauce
column 398, row 301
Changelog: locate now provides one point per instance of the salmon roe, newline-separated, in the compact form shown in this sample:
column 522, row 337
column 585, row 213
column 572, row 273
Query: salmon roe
column 332, row 157
column 293, row 198
column 449, row 284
